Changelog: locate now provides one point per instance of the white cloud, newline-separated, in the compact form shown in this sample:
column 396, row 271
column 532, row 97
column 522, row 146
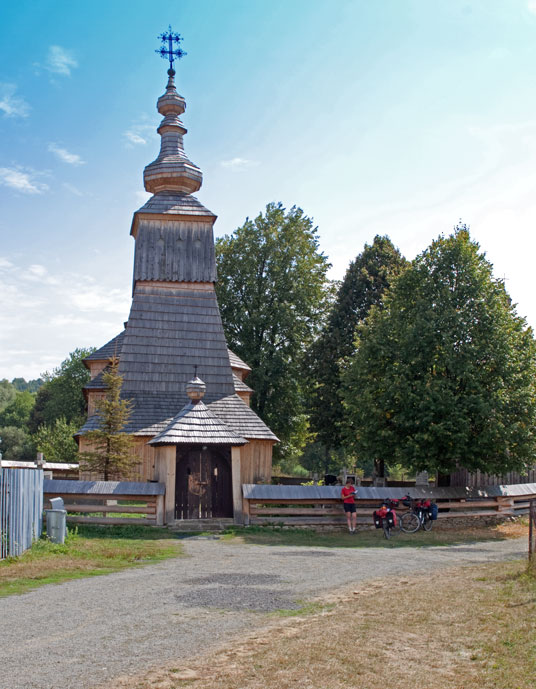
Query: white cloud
column 45, row 314
column 99, row 298
column 135, row 138
column 531, row 6
column 22, row 181
column 60, row 61
column 238, row 164
column 139, row 134
column 10, row 104
column 65, row 156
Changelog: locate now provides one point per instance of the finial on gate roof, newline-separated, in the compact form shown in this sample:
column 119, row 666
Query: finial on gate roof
column 172, row 172
column 195, row 388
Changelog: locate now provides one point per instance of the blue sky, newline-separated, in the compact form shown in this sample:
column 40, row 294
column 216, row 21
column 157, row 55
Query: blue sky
column 395, row 117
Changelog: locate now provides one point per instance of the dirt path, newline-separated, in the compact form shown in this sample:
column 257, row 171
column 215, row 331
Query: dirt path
column 78, row 634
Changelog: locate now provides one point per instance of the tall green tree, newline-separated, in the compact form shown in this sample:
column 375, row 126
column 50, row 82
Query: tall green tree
column 17, row 413
column 31, row 385
column 7, row 393
column 444, row 375
column 273, row 296
column 365, row 282
column 61, row 396
column 16, row 444
column 111, row 453
column 56, row 442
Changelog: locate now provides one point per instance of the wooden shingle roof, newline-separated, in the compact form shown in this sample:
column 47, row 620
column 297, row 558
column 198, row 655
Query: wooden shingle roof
column 170, row 331
column 196, row 424
column 240, row 385
column 151, row 413
column 96, row 383
column 107, row 351
column 236, row 362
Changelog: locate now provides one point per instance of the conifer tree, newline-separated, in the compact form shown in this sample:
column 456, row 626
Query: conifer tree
column 367, row 278
column 111, row 453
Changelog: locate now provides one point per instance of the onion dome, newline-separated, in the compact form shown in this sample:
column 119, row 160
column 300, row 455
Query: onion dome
column 195, row 389
column 172, row 172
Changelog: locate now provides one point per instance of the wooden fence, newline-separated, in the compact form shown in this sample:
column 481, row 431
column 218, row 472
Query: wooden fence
column 322, row 506
column 109, row 502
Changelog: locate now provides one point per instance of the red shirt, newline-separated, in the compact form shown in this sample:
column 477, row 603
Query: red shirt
column 348, row 493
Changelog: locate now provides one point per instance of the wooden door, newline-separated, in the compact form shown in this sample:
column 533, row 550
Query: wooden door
column 203, row 487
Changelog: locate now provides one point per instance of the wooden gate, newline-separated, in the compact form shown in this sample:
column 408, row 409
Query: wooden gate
column 203, row 487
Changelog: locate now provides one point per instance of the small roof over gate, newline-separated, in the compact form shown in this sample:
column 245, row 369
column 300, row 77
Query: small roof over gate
column 196, row 424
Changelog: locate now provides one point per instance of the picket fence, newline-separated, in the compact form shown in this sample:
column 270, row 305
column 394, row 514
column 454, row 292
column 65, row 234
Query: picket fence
column 21, row 509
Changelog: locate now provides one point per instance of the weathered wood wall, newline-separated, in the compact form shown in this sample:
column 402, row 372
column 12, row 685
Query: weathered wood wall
column 462, row 477
column 93, row 396
column 95, row 367
column 143, row 471
column 256, row 462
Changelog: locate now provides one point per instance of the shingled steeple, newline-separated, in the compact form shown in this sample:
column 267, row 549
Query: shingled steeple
column 174, row 327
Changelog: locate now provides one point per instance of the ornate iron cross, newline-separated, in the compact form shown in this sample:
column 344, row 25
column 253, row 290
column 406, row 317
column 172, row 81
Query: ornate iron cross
column 168, row 53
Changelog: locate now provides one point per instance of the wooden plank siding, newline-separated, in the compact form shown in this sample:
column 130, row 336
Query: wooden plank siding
column 462, row 477
column 144, row 469
column 256, row 462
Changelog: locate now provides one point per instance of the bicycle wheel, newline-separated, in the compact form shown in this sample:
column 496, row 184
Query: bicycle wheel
column 386, row 528
column 409, row 522
column 427, row 523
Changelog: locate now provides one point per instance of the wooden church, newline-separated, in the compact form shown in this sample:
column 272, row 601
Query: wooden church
column 191, row 420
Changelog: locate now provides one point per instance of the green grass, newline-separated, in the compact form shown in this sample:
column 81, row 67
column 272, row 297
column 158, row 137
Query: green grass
column 312, row 608
column 276, row 535
column 89, row 550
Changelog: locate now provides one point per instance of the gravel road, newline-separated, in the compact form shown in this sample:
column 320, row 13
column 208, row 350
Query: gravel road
column 78, row 634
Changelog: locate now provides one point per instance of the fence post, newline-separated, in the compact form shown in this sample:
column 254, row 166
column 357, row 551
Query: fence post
column 532, row 535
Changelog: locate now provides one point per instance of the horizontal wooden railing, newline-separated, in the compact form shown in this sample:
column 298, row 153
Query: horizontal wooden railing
column 322, row 506
column 90, row 502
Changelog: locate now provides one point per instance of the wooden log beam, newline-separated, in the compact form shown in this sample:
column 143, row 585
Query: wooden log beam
column 101, row 496
column 160, row 510
column 125, row 509
column 111, row 520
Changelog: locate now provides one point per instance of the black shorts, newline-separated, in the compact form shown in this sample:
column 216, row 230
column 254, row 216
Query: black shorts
column 349, row 506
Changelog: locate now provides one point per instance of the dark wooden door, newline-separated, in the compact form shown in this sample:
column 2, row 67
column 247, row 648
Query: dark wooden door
column 203, row 488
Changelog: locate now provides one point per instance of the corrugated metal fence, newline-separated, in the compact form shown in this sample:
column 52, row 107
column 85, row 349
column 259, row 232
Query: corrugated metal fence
column 21, row 509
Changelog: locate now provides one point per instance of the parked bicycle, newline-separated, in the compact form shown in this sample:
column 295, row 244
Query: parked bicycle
column 385, row 517
column 421, row 515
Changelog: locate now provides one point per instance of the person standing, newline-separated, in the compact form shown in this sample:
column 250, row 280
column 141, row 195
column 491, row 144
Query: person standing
column 348, row 494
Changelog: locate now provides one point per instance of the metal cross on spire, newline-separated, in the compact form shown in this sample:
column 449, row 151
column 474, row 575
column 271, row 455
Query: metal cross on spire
column 168, row 53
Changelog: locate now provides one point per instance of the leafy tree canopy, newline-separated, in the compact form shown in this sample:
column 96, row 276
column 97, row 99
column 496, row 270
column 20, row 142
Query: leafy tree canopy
column 364, row 284
column 273, row 295
column 17, row 413
column 56, row 442
column 7, row 393
column 16, row 445
column 21, row 384
column 61, row 396
column 445, row 372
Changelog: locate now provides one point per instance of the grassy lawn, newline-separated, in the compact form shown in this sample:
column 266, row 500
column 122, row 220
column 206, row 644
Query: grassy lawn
column 463, row 628
column 89, row 550
column 266, row 535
